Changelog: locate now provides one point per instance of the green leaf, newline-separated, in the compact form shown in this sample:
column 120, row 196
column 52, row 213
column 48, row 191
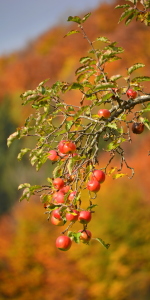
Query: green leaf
column 24, row 185
column 130, row 18
column 145, row 121
column 102, row 242
column 41, row 161
column 135, row 67
column 22, row 153
column 107, row 96
column 104, row 86
column 57, row 172
column 112, row 125
column 83, row 68
column 103, row 39
column 115, row 144
column 25, row 195
column 33, row 160
column 76, row 86
column 86, row 17
column 123, row 6
column 68, row 125
column 147, row 108
column 70, row 165
column 75, row 236
column 115, row 77
column 34, row 188
column 85, row 59
column 75, row 19
column 126, row 13
column 71, row 32
column 12, row 137
column 140, row 79
column 91, row 206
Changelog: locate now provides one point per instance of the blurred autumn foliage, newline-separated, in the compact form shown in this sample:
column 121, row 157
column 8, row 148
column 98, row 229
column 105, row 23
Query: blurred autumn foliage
column 30, row 266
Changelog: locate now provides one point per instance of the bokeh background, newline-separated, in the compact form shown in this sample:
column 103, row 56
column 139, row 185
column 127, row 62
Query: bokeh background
column 33, row 49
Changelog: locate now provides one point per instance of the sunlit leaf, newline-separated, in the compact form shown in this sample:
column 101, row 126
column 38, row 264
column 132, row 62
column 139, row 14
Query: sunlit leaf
column 141, row 79
column 86, row 17
column 75, row 19
column 72, row 32
column 75, row 236
column 12, row 137
column 102, row 242
column 135, row 67
column 22, row 153
column 118, row 175
column 24, row 185
column 126, row 13
column 123, row 6
column 103, row 39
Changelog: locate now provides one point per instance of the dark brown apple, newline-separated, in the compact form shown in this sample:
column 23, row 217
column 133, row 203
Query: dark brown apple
column 137, row 128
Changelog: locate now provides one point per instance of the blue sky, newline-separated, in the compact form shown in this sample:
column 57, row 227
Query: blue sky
column 21, row 21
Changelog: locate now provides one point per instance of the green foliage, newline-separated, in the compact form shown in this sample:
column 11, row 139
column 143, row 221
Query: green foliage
column 134, row 10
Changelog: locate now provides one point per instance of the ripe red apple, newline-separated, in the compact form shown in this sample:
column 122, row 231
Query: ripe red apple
column 131, row 94
column 93, row 185
column 104, row 113
column 58, row 197
column 72, row 195
column 65, row 189
column 61, row 146
column 84, row 216
column 53, row 155
column 85, row 235
column 66, row 147
column 98, row 175
column 58, row 183
column 56, row 214
column 71, row 217
column 57, row 222
column 63, row 243
column 137, row 128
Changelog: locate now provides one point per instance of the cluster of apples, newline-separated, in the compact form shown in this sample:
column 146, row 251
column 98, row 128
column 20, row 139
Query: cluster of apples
column 63, row 197
column 62, row 214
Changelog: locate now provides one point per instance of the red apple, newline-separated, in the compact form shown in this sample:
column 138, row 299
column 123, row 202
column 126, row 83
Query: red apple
column 66, row 147
column 53, row 155
column 137, row 128
column 85, row 235
column 63, row 243
column 72, row 196
column 93, row 185
column 61, row 146
column 84, row 216
column 56, row 221
column 56, row 214
column 132, row 94
column 58, row 197
column 71, row 217
column 104, row 113
column 65, row 189
column 58, row 183
column 69, row 147
column 98, row 175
